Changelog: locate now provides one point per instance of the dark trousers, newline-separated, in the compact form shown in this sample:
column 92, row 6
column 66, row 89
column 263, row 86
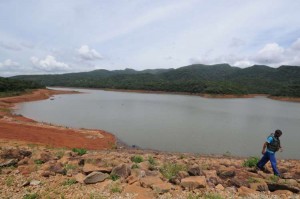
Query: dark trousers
column 266, row 157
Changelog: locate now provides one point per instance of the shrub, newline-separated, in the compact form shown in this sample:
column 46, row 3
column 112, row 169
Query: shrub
column 151, row 160
column 251, row 162
column 38, row 162
column 69, row 182
column 31, row 196
column 116, row 188
column 79, row 151
column 170, row 170
column 213, row 196
column 135, row 166
column 70, row 167
column 114, row 177
column 137, row 159
column 274, row 178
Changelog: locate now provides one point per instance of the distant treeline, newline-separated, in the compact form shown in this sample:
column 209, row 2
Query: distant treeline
column 15, row 85
column 198, row 78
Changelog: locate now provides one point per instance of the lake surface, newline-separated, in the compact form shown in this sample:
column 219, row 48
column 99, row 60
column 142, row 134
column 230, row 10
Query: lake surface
column 176, row 123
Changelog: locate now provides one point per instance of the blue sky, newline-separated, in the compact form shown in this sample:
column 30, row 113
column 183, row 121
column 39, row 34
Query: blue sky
column 42, row 36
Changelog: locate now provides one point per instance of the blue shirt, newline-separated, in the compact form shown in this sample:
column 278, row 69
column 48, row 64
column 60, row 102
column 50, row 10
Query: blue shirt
column 269, row 140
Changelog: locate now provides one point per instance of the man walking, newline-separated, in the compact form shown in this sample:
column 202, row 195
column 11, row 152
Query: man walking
column 273, row 145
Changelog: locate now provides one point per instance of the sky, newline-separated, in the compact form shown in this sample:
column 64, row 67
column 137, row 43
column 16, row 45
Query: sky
column 63, row 36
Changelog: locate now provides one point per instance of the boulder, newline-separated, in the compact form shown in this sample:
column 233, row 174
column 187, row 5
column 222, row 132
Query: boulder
column 227, row 172
column 122, row 171
column 162, row 188
column 89, row 168
column 23, row 161
column 44, row 157
column 8, row 163
column 193, row 182
column 34, row 182
column 259, row 186
column 57, row 168
column 195, row 171
column 95, row 177
column 15, row 154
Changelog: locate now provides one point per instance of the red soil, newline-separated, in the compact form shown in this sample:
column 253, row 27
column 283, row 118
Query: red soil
column 14, row 127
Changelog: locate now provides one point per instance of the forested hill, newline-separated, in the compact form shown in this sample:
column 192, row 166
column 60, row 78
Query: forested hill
column 10, row 87
column 198, row 78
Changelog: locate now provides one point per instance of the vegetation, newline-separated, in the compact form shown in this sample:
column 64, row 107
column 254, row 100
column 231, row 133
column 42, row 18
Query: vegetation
column 135, row 166
column 151, row 160
column 170, row 170
column 31, row 196
column 197, row 78
column 12, row 87
column 114, row 177
column 79, row 151
column 137, row 159
column 38, row 162
column 116, row 188
column 69, row 182
column 251, row 162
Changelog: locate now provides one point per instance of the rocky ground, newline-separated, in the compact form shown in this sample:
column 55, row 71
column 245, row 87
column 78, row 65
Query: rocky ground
column 36, row 171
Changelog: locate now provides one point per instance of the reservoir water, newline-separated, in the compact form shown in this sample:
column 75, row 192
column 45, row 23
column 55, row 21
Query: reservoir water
column 177, row 123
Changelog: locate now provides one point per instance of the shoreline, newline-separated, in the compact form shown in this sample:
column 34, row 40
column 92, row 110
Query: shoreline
column 15, row 123
column 19, row 128
column 213, row 96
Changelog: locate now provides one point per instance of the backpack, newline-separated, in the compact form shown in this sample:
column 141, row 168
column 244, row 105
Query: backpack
column 275, row 144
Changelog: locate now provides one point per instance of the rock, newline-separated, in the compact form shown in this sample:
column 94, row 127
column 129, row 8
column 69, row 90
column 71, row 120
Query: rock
column 219, row 187
column 194, row 182
column 195, row 171
column 141, row 193
column 15, row 154
column 287, row 176
column 26, row 169
column 259, row 186
column 88, row 168
column 276, row 186
column 34, row 182
column 44, row 157
column 122, row 171
column 23, row 161
column 245, row 191
column 57, row 168
column 212, row 177
column 45, row 174
column 131, row 179
column 95, row 177
column 162, row 188
column 25, row 184
column 79, row 177
column 8, row 163
column 226, row 172
column 148, row 181
column 283, row 192
column 237, row 182
column 151, row 173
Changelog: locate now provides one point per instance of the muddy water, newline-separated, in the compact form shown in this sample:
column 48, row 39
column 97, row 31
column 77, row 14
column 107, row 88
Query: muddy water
column 176, row 122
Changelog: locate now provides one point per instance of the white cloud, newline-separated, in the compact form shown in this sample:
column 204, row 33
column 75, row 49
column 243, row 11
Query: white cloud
column 243, row 63
column 86, row 53
column 49, row 64
column 270, row 54
column 8, row 64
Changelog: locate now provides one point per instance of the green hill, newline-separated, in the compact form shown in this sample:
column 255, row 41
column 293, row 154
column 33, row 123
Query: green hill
column 9, row 87
column 197, row 78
